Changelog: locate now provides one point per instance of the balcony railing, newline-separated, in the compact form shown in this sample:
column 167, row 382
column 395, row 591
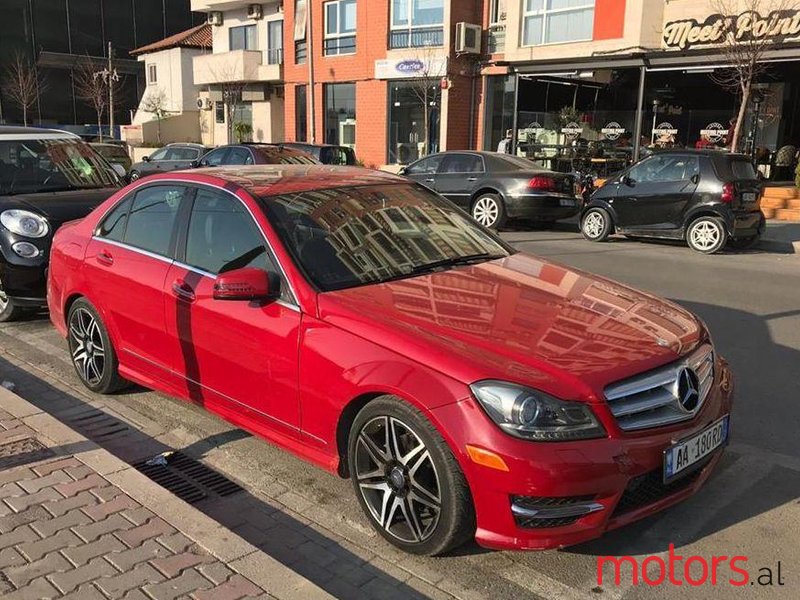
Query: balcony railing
column 234, row 66
column 275, row 56
column 496, row 39
column 417, row 38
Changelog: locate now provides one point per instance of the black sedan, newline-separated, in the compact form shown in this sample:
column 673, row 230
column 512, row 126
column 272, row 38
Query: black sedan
column 47, row 178
column 706, row 197
column 327, row 154
column 496, row 187
column 255, row 154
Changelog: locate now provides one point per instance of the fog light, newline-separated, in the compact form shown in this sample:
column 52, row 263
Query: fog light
column 26, row 250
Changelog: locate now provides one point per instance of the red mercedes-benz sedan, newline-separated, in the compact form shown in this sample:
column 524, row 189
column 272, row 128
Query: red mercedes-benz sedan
column 368, row 325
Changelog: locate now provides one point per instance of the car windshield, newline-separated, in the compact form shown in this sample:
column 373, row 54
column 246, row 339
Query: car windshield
column 29, row 166
column 274, row 155
column 348, row 237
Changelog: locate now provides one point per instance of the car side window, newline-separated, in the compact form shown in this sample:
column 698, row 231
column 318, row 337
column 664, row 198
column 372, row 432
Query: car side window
column 239, row 156
column 113, row 226
column 152, row 218
column 425, row 166
column 462, row 163
column 159, row 154
column 183, row 154
column 661, row 169
column 216, row 157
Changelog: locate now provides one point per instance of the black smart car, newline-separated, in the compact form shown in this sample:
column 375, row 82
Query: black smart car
column 47, row 178
column 496, row 187
column 706, row 197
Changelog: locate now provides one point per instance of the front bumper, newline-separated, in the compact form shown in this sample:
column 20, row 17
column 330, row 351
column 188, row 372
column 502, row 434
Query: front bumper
column 26, row 286
column 619, row 476
column 544, row 207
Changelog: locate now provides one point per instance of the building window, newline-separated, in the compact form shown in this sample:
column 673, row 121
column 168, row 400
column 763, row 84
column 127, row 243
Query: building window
column 300, row 19
column 413, row 119
column 243, row 38
column 219, row 112
column 557, row 21
column 497, row 12
column 275, row 43
column 300, row 113
column 340, row 114
column 417, row 23
column 300, row 52
column 152, row 74
column 340, row 27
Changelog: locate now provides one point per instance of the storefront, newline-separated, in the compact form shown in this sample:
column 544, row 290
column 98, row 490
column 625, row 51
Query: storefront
column 598, row 113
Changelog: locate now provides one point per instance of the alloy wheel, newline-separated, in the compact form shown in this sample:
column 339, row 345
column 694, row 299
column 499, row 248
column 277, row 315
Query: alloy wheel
column 705, row 235
column 593, row 225
column 486, row 211
column 86, row 346
column 397, row 479
column 3, row 298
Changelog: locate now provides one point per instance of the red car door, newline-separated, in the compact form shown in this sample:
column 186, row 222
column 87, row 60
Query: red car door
column 241, row 356
column 126, row 264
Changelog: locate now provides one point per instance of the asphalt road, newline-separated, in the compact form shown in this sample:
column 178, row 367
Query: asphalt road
column 751, row 303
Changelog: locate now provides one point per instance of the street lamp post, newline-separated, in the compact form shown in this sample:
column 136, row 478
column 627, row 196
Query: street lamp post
column 110, row 77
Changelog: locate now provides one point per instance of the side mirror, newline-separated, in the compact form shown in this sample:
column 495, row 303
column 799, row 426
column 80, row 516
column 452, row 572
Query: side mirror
column 195, row 164
column 628, row 181
column 403, row 171
column 119, row 170
column 246, row 284
column 145, row 159
column 695, row 178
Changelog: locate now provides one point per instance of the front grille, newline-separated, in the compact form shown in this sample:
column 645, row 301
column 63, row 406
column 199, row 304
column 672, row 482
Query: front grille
column 653, row 399
column 529, row 523
column 550, row 512
column 649, row 488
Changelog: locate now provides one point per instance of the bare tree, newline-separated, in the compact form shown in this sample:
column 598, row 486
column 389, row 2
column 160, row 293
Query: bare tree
column 426, row 86
column 157, row 104
column 744, row 50
column 91, row 88
column 22, row 84
column 231, row 80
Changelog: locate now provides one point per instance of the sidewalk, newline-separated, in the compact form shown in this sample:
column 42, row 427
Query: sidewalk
column 77, row 522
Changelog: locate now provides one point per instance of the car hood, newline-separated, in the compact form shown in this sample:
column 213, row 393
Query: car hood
column 60, row 207
column 519, row 319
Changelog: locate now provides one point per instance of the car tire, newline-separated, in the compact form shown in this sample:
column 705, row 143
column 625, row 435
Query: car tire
column 134, row 176
column 91, row 350
column 489, row 210
column 745, row 243
column 707, row 235
column 9, row 311
column 411, row 488
column 596, row 225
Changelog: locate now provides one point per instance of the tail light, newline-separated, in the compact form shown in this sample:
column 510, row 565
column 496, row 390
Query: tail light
column 728, row 193
column 542, row 184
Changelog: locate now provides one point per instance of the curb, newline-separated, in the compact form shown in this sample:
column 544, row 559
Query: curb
column 778, row 246
column 239, row 555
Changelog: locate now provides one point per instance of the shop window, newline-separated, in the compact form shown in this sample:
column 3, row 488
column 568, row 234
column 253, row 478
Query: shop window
column 219, row 112
column 243, row 38
column 417, row 23
column 340, row 114
column 152, row 74
column 340, row 27
column 301, row 113
column 408, row 103
column 557, row 21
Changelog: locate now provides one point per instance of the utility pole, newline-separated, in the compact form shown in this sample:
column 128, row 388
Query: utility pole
column 110, row 77
column 310, row 46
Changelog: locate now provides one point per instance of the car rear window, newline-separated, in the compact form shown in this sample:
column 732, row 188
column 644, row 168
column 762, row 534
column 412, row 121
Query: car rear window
column 743, row 169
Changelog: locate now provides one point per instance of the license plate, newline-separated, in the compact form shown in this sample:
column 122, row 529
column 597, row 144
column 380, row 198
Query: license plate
column 567, row 202
column 749, row 197
column 681, row 456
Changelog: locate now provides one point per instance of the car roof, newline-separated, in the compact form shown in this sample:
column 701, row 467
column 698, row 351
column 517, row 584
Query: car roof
column 263, row 181
column 17, row 132
column 187, row 145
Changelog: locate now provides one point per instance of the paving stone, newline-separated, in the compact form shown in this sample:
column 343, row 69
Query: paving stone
column 10, row 490
column 172, row 566
column 94, row 569
column 15, row 474
column 13, row 520
column 87, row 483
column 137, row 578
column 79, row 471
column 20, row 431
column 154, row 527
column 92, row 531
column 235, row 588
column 47, row 468
column 19, row 535
column 61, row 540
column 117, row 504
column 85, row 592
column 126, row 559
column 64, row 505
column 177, row 542
column 20, row 503
column 50, row 564
column 216, row 571
column 189, row 581
column 40, row 589
column 84, row 553
column 105, row 494
column 138, row 515
column 34, row 485
column 9, row 557
column 71, row 519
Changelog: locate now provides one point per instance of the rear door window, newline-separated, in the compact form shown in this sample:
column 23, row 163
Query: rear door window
column 152, row 218
column 743, row 169
column 113, row 226
column 462, row 163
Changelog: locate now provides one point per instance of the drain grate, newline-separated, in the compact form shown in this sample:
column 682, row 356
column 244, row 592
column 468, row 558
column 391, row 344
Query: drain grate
column 97, row 425
column 23, row 452
column 190, row 480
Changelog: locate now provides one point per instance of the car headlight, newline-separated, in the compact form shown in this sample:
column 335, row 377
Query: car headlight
column 533, row 415
column 26, row 223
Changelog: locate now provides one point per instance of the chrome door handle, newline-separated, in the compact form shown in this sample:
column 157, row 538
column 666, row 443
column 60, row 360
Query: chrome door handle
column 183, row 291
column 429, row 180
column 105, row 258
column 472, row 179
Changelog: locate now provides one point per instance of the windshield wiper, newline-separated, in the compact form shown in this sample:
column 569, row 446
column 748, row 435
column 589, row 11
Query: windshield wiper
column 455, row 261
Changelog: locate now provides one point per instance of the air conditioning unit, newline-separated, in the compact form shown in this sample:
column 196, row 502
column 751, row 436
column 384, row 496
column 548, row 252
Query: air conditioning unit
column 468, row 38
column 255, row 11
column 215, row 18
column 204, row 103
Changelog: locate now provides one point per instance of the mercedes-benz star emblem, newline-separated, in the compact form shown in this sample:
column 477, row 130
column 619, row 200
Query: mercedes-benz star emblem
column 688, row 390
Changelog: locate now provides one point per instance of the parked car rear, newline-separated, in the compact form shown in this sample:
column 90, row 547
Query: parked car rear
column 327, row 154
column 708, row 198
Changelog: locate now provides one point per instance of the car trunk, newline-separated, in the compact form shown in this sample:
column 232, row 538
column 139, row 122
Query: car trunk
column 747, row 189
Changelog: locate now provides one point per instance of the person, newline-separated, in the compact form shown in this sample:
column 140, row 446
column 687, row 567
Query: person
column 504, row 147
